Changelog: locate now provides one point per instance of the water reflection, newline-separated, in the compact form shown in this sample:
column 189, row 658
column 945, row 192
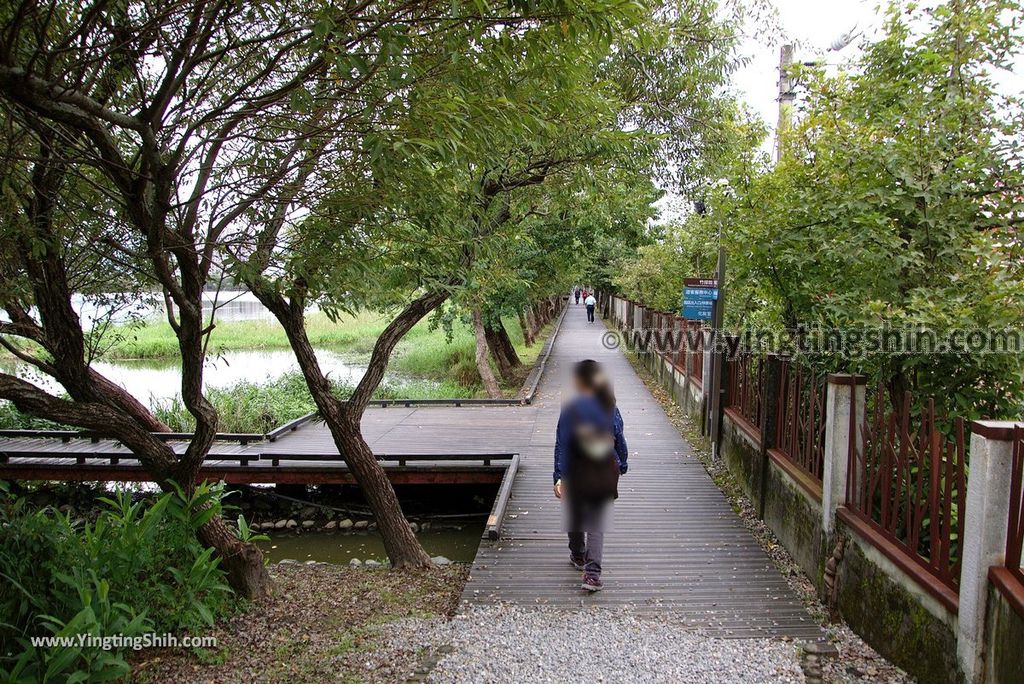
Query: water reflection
column 226, row 305
column 149, row 380
column 339, row 548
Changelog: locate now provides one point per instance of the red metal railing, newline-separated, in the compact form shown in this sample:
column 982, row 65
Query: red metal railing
column 800, row 418
column 1015, row 526
column 744, row 375
column 910, row 482
column 695, row 349
column 679, row 334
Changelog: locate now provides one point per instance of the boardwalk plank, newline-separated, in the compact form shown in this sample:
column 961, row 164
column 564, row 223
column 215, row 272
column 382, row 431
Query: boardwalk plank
column 675, row 545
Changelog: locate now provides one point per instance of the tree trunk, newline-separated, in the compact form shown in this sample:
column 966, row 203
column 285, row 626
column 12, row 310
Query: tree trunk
column 242, row 561
column 504, row 367
column 502, row 349
column 403, row 548
column 531, row 320
column 129, row 404
column 343, row 418
column 524, row 325
column 483, row 365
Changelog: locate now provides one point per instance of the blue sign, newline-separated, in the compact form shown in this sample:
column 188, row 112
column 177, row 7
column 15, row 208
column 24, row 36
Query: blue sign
column 698, row 310
column 700, row 293
column 699, row 297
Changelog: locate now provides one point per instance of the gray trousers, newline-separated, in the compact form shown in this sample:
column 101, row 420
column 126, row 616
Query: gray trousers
column 589, row 545
column 586, row 525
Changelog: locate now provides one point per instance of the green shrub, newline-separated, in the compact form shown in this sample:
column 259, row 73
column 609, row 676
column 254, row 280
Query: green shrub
column 137, row 569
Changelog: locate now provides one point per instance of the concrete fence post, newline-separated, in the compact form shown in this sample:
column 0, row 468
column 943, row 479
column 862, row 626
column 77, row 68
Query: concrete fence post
column 844, row 411
column 984, row 542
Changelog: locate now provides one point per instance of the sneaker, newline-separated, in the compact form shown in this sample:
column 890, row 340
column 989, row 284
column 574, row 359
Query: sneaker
column 592, row 583
column 578, row 562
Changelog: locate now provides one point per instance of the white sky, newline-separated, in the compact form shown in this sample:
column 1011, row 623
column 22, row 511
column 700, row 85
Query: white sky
column 812, row 25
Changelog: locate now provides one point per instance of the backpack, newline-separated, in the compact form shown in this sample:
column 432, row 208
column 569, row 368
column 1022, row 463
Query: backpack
column 593, row 473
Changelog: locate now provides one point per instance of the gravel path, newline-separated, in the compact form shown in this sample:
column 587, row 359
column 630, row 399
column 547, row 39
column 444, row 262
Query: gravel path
column 510, row 644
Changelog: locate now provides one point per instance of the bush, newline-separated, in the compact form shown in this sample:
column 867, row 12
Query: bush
column 137, row 569
column 262, row 406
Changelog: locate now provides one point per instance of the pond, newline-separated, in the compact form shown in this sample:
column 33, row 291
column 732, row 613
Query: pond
column 152, row 380
column 456, row 544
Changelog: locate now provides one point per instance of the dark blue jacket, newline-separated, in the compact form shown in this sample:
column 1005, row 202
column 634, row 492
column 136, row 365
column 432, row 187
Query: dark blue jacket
column 587, row 409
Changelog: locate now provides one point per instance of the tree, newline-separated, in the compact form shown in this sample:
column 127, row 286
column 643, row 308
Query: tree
column 897, row 204
column 438, row 156
column 152, row 109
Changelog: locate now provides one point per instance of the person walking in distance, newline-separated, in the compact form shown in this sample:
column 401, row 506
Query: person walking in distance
column 591, row 302
column 590, row 455
column 576, row 292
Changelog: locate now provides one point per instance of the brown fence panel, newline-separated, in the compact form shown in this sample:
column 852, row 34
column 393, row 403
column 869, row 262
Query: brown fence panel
column 679, row 332
column 800, row 421
column 696, row 350
column 1015, row 526
column 908, row 480
column 744, row 377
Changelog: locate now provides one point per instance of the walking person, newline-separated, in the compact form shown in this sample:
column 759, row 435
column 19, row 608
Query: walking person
column 576, row 292
column 590, row 455
column 591, row 302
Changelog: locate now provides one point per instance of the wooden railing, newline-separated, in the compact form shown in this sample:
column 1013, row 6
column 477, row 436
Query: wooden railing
column 908, row 480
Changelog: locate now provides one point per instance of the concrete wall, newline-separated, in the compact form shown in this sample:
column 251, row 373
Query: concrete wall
column 892, row 613
column 1004, row 653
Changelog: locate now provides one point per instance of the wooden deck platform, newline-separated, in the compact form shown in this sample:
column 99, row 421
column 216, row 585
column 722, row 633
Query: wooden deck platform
column 675, row 545
column 452, row 445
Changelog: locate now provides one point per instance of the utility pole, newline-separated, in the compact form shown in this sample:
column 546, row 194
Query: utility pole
column 717, row 338
column 787, row 95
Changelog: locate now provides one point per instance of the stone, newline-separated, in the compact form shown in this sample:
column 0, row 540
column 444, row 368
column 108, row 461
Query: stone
column 345, row 524
column 440, row 560
column 414, row 527
column 820, row 648
column 355, row 562
column 280, row 524
column 370, row 563
column 307, row 524
column 287, row 561
column 361, row 525
column 331, row 525
column 372, row 526
column 291, row 524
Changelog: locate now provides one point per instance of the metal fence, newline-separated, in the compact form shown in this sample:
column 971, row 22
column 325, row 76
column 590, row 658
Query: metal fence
column 695, row 351
column 800, row 417
column 744, row 378
column 1015, row 523
column 908, row 480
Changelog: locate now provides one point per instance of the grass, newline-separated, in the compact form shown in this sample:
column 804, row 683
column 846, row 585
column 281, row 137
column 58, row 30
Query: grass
column 424, row 353
column 426, row 365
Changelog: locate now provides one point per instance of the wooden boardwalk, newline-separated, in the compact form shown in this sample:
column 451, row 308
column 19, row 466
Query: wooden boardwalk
column 423, row 445
column 675, row 546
